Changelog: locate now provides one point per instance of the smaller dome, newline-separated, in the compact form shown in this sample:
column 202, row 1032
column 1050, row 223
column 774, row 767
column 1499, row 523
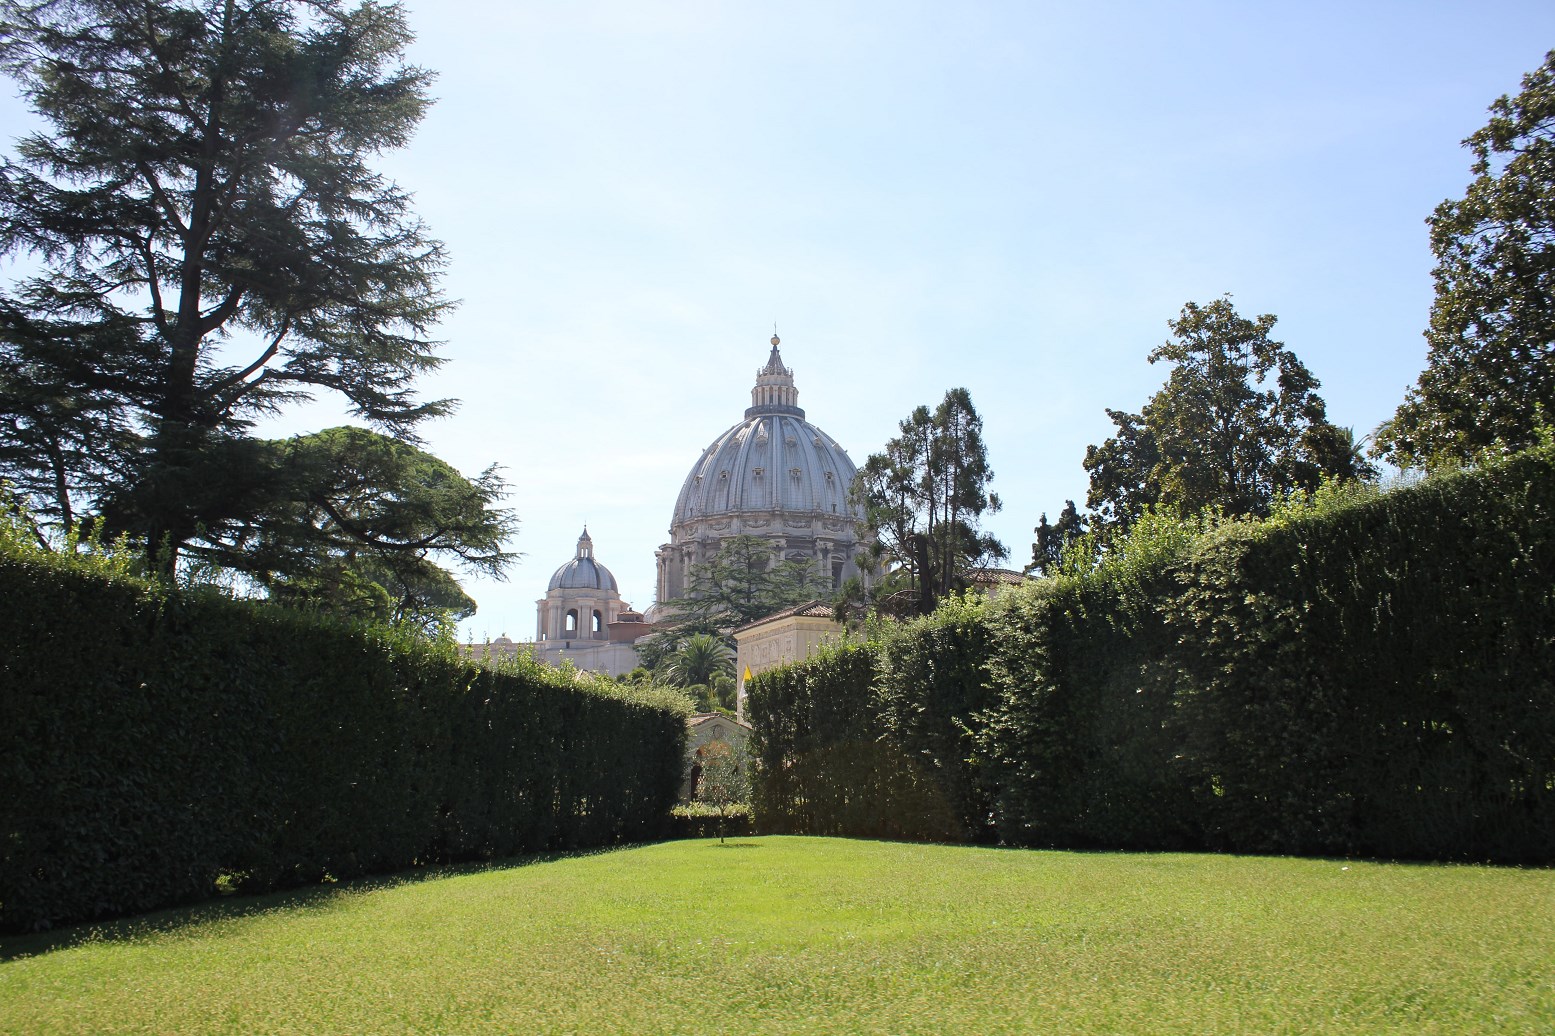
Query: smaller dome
column 583, row 572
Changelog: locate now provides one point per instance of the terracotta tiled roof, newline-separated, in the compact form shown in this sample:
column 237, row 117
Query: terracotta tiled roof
column 998, row 575
column 808, row 610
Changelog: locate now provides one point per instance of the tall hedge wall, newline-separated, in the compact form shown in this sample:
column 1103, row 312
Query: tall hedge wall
column 1376, row 679
column 877, row 739
column 152, row 742
column 1380, row 680
column 1080, row 746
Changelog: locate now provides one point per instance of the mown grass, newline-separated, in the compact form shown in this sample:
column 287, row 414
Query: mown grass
column 775, row 935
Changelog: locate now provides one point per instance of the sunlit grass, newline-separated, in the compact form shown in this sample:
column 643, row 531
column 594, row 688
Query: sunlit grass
column 776, row 935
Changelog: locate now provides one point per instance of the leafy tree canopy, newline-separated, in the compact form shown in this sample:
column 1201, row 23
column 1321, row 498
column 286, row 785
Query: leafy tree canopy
column 724, row 778
column 1237, row 425
column 1490, row 373
column 360, row 524
column 922, row 499
column 214, row 244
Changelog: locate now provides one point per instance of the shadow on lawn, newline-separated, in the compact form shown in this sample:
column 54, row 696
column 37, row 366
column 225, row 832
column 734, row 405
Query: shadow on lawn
column 312, row 897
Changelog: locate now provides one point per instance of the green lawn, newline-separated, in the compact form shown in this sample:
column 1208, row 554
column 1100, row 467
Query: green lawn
column 819, row 935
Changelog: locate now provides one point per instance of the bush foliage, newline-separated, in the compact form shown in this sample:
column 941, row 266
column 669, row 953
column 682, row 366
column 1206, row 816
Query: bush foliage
column 1364, row 674
column 153, row 742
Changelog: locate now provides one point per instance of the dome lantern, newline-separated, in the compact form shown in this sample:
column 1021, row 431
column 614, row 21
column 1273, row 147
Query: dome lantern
column 774, row 392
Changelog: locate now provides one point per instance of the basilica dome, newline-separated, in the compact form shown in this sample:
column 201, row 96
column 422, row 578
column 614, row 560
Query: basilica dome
column 773, row 475
column 583, row 572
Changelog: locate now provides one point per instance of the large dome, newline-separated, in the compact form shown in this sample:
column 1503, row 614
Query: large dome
column 768, row 462
column 583, row 572
column 773, row 475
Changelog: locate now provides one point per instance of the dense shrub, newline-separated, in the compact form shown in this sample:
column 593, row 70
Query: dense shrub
column 1379, row 679
column 931, row 688
column 1080, row 744
column 697, row 820
column 1366, row 673
column 152, row 742
column 824, row 764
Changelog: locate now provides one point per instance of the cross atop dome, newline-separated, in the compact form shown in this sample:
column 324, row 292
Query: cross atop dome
column 774, row 392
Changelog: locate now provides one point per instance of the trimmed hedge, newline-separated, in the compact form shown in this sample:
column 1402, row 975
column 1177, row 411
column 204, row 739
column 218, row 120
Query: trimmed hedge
column 152, row 743
column 1376, row 678
column 1081, row 744
column 702, row 821
column 1380, row 680
column 824, row 763
column 876, row 740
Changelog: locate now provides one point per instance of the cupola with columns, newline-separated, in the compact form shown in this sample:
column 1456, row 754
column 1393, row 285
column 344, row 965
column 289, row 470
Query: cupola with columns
column 581, row 601
column 774, row 391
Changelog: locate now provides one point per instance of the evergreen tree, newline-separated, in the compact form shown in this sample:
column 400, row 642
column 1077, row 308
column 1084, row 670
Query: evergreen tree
column 697, row 660
column 1238, row 424
column 1490, row 375
column 1052, row 540
column 743, row 581
column 358, row 524
column 922, row 499
column 214, row 245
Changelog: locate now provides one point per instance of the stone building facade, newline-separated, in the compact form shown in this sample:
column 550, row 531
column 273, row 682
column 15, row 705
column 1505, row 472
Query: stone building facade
column 791, row 635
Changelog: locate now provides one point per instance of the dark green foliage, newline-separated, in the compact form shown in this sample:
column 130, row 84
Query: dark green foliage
column 878, row 740
column 922, row 498
column 152, row 742
column 1078, row 745
column 1237, row 425
column 1491, row 369
column 1370, row 674
column 355, row 524
column 697, row 661
column 1380, row 680
column 699, row 821
column 823, row 761
column 1047, row 552
column 744, row 581
column 931, row 690
column 215, row 245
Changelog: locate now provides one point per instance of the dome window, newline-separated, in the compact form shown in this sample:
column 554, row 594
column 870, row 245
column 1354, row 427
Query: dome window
column 795, row 472
column 758, row 472
column 789, row 440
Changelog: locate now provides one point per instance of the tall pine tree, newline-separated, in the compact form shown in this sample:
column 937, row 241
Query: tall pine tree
column 923, row 497
column 213, row 244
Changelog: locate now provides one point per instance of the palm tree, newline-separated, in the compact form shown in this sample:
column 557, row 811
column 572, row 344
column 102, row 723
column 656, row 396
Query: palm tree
column 696, row 659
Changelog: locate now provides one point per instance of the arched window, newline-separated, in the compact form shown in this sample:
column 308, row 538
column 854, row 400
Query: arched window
column 599, row 623
column 572, row 620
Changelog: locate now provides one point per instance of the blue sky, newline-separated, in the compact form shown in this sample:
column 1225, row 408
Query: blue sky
column 1013, row 197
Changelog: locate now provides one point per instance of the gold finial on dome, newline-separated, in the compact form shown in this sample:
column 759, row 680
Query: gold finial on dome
column 776, row 341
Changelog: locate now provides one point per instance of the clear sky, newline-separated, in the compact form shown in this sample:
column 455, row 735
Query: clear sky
column 1013, row 197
